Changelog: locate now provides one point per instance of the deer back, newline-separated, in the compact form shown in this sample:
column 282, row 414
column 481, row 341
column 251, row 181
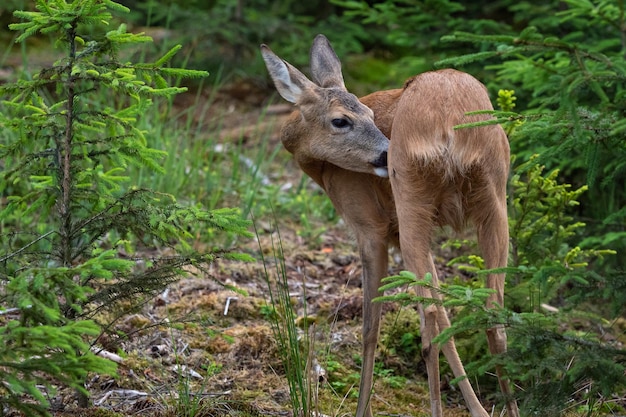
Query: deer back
column 432, row 104
column 453, row 170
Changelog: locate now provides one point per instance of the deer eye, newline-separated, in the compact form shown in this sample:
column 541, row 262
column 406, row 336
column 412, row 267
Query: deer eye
column 340, row 123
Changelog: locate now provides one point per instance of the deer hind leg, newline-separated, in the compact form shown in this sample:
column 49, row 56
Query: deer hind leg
column 415, row 222
column 493, row 239
column 454, row 360
column 430, row 353
column 434, row 319
column 415, row 242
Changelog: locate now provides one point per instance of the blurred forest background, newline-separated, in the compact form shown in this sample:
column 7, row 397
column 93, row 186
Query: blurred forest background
column 556, row 71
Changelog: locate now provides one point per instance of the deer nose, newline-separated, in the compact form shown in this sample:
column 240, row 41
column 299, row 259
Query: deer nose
column 380, row 165
column 381, row 161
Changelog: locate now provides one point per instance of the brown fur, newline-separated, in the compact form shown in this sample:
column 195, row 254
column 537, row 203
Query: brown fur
column 438, row 176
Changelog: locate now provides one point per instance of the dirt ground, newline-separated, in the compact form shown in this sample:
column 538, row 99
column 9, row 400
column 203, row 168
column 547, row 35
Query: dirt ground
column 201, row 349
column 201, row 342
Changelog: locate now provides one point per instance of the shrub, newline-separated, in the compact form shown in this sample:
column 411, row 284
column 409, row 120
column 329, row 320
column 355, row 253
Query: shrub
column 72, row 229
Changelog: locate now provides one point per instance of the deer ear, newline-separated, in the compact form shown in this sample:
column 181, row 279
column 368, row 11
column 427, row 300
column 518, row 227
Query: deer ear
column 325, row 65
column 288, row 80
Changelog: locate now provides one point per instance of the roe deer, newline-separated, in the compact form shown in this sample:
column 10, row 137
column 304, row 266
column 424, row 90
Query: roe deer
column 396, row 192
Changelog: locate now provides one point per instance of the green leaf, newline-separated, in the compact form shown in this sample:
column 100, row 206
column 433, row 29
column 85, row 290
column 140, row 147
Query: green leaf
column 116, row 6
column 167, row 56
column 183, row 73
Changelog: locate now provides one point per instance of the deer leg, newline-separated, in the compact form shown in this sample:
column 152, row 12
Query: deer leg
column 429, row 327
column 374, row 257
column 452, row 356
column 415, row 232
column 430, row 353
column 493, row 239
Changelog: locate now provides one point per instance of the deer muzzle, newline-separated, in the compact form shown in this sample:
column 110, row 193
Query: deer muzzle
column 380, row 165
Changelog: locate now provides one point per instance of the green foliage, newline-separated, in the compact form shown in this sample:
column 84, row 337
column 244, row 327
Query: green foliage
column 417, row 17
column 541, row 226
column 72, row 230
column 406, row 33
column 560, row 369
column 453, row 295
column 31, row 355
column 400, row 337
column 569, row 75
column 549, row 364
column 226, row 34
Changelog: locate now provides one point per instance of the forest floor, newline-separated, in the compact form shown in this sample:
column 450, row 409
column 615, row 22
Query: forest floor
column 200, row 349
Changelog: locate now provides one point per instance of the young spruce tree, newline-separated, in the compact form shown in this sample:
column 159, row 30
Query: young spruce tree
column 70, row 218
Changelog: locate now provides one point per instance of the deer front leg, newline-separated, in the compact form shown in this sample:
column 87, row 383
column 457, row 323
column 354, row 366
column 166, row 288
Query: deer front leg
column 454, row 360
column 374, row 257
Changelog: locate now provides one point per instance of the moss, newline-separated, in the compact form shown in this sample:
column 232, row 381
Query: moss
column 401, row 339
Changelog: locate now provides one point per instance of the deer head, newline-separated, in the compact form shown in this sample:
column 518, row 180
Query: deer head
column 332, row 124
